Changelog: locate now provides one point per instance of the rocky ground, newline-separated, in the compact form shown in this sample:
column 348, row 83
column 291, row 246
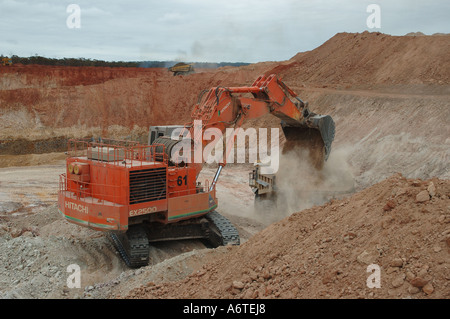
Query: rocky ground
column 398, row 224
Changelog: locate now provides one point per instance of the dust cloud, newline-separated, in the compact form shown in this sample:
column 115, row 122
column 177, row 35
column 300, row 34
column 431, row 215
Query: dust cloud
column 301, row 185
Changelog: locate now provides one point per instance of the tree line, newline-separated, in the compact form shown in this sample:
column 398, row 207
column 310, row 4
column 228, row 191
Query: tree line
column 36, row 59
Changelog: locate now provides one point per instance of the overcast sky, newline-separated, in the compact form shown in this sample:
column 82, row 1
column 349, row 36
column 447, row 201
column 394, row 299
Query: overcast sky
column 201, row 30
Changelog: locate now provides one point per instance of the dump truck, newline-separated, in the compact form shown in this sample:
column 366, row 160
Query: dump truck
column 262, row 183
column 182, row 69
column 139, row 194
column 6, row 61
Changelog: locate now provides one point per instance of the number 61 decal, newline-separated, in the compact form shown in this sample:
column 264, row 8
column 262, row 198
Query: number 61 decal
column 180, row 180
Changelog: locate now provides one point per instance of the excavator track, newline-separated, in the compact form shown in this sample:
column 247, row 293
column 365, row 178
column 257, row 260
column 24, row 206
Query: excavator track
column 133, row 246
column 222, row 232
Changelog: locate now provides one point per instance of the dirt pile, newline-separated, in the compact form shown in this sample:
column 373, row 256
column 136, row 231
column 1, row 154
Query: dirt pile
column 400, row 225
column 366, row 59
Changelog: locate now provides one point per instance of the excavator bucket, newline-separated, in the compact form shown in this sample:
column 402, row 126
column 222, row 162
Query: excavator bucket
column 315, row 134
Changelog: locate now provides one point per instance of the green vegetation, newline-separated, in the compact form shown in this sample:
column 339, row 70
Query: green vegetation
column 36, row 59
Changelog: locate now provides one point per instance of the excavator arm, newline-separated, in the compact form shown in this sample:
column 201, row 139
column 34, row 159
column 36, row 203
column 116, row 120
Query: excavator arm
column 229, row 107
column 224, row 107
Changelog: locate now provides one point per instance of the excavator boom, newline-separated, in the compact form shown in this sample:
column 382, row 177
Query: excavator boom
column 223, row 107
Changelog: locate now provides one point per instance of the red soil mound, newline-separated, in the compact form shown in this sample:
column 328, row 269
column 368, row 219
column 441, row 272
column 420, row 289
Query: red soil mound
column 360, row 59
column 324, row 251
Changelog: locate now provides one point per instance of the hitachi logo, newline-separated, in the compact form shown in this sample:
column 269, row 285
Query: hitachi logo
column 77, row 207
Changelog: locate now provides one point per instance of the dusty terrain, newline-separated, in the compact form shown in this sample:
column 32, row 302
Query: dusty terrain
column 37, row 244
column 324, row 251
column 389, row 97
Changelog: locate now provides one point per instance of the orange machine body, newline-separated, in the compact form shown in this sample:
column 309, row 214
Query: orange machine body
column 110, row 186
column 111, row 189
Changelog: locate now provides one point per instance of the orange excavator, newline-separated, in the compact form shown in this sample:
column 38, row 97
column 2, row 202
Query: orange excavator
column 139, row 194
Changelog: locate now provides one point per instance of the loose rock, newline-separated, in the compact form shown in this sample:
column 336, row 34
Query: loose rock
column 419, row 282
column 366, row 258
column 397, row 282
column 238, row 284
column 431, row 189
column 428, row 289
column 423, row 196
column 397, row 262
column 389, row 205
